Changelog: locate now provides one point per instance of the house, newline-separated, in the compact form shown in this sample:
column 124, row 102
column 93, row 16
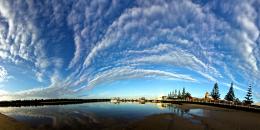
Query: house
column 163, row 98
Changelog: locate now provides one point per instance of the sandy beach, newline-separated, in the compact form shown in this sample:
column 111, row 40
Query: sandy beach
column 216, row 119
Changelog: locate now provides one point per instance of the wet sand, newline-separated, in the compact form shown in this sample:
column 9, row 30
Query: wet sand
column 164, row 122
column 7, row 123
column 211, row 118
column 227, row 119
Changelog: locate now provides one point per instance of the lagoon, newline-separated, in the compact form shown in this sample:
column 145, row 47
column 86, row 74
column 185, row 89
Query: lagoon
column 129, row 115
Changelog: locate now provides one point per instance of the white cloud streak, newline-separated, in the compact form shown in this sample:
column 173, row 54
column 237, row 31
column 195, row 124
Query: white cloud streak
column 3, row 74
column 179, row 34
column 122, row 73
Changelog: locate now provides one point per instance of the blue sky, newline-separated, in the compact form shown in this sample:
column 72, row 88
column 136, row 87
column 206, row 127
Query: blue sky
column 128, row 48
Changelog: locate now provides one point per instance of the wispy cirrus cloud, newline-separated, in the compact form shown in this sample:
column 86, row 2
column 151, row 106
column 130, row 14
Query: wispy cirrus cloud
column 85, row 43
column 122, row 73
column 3, row 74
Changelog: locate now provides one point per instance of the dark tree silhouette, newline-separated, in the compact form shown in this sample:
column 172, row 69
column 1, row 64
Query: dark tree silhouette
column 187, row 95
column 215, row 92
column 248, row 98
column 183, row 93
column 179, row 94
column 230, row 95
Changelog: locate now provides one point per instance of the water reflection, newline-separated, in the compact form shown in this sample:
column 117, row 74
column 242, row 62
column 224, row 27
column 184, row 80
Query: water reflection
column 185, row 112
column 99, row 115
column 88, row 114
column 81, row 115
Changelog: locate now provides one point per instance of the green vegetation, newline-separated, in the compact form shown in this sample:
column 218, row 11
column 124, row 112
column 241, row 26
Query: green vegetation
column 230, row 95
column 180, row 95
column 248, row 98
column 215, row 92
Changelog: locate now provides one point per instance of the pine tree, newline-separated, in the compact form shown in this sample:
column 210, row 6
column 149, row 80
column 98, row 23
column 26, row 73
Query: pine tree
column 248, row 98
column 179, row 94
column 187, row 95
column 230, row 95
column 215, row 92
column 183, row 93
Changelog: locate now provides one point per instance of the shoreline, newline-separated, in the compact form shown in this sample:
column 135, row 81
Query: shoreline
column 8, row 123
column 42, row 102
column 250, row 108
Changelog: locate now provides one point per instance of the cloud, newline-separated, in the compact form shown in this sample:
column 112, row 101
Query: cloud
column 56, row 89
column 176, row 57
column 20, row 43
column 122, row 73
column 3, row 74
column 87, row 21
column 85, row 43
column 235, row 87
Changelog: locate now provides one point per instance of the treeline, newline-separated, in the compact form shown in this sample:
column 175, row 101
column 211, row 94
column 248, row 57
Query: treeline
column 230, row 96
column 42, row 102
column 177, row 94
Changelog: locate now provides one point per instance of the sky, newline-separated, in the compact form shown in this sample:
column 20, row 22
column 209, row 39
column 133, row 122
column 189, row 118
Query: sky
column 127, row 48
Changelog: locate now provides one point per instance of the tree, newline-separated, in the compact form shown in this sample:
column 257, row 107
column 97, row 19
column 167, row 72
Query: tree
column 215, row 92
column 230, row 95
column 187, row 95
column 248, row 97
column 237, row 100
column 183, row 93
column 175, row 93
column 179, row 94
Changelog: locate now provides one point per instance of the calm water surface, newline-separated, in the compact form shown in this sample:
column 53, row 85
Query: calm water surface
column 97, row 115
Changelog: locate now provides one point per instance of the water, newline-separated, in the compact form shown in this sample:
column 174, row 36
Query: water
column 101, row 115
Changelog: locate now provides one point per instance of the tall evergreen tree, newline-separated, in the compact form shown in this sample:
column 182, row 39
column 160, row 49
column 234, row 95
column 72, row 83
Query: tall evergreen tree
column 187, row 95
column 183, row 93
column 215, row 92
column 179, row 94
column 230, row 95
column 248, row 97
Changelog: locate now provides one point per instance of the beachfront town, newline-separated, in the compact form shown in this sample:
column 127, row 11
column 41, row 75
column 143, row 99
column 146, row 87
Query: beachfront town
column 209, row 98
